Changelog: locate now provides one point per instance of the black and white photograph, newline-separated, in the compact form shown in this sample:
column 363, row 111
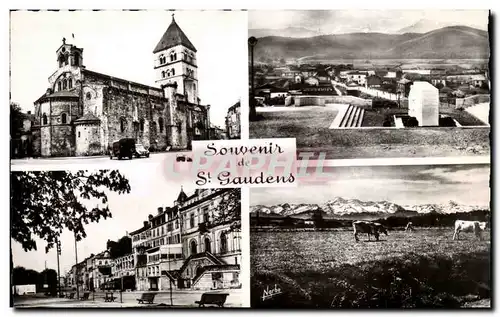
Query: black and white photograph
column 375, row 237
column 372, row 83
column 121, row 84
column 123, row 238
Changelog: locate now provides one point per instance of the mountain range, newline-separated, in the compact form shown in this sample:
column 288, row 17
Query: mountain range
column 451, row 42
column 340, row 208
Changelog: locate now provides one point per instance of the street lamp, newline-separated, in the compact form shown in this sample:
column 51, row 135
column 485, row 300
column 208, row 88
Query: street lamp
column 252, row 41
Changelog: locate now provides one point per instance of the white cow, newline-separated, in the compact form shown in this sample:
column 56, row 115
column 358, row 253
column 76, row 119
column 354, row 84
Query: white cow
column 469, row 226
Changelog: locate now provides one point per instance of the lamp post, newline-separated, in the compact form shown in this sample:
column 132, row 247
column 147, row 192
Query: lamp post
column 58, row 247
column 169, row 278
column 76, row 270
column 252, row 41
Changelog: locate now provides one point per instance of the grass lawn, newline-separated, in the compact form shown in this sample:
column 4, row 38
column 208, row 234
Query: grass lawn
column 462, row 116
column 423, row 269
column 291, row 121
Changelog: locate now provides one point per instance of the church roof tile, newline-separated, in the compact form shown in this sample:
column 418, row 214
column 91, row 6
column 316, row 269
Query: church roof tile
column 173, row 37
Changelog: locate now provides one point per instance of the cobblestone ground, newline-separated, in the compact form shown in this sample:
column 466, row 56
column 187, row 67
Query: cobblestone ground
column 129, row 299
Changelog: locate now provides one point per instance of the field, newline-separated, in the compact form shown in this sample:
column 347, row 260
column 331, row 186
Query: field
column 424, row 268
column 321, row 117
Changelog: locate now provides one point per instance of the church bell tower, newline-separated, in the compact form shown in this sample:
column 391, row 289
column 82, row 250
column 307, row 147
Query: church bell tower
column 175, row 62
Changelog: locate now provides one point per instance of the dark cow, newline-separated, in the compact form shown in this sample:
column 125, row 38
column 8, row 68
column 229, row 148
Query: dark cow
column 371, row 228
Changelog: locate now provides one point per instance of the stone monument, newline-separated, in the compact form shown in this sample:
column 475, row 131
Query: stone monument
column 423, row 104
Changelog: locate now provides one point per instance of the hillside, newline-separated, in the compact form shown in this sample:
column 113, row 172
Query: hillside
column 444, row 43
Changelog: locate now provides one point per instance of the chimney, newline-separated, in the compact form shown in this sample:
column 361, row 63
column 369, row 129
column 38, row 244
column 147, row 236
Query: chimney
column 145, row 223
column 29, row 112
column 150, row 217
column 160, row 210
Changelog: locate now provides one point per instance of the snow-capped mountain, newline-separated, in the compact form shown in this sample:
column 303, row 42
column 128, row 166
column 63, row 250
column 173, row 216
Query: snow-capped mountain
column 339, row 207
column 450, row 208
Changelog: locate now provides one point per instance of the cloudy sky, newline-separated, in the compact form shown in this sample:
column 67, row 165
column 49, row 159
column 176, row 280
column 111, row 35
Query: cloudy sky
column 348, row 21
column 404, row 185
column 121, row 43
column 150, row 189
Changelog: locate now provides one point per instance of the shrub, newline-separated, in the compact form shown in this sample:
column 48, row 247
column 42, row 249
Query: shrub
column 383, row 103
column 412, row 122
column 447, row 122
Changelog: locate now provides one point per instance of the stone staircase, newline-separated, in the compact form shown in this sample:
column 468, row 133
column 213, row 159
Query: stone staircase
column 352, row 118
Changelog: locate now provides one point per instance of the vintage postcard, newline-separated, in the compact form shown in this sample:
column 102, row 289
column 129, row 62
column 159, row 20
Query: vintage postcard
column 128, row 238
column 372, row 83
column 123, row 84
column 375, row 237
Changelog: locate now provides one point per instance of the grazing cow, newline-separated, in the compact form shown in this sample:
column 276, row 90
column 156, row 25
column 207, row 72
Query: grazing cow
column 409, row 226
column 371, row 228
column 469, row 226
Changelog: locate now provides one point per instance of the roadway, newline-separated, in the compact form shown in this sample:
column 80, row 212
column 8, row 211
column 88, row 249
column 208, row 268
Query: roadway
column 129, row 299
column 104, row 162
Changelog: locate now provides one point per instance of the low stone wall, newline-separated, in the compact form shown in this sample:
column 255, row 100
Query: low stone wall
column 300, row 101
column 471, row 101
column 309, row 101
column 351, row 100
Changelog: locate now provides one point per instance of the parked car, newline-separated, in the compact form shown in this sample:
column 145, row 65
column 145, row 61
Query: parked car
column 140, row 150
column 123, row 148
column 183, row 158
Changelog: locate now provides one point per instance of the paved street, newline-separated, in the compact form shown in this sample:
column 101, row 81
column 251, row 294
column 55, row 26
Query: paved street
column 162, row 299
column 99, row 161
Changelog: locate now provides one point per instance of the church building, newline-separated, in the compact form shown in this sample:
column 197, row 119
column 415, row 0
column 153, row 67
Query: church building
column 83, row 111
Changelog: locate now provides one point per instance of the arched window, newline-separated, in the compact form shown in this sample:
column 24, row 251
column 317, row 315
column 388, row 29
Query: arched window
column 64, row 118
column 193, row 247
column 141, row 125
column 173, row 72
column 153, row 127
column 172, row 57
column 44, row 119
column 162, row 74
column 70, row 83
column 223, row 242
column 123, row 124
column 88, row 96
column 160, row 123
column 207, row 245
column 65, row 84
column 59, row 86
column 194, row 87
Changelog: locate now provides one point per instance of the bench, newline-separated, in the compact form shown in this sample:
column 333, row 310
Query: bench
column 146, row 298
column 212, row 299
column 85, row 296
column 70, row 295
column 109, row 297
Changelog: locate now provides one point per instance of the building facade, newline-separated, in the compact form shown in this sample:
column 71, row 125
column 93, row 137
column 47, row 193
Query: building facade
column 185, row 247
column 233, row 121
column 83, row 112
column 188, row 245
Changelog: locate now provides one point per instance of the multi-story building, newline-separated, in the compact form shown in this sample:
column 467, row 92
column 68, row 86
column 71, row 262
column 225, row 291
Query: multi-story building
column 186, row 246
column 233, row 121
